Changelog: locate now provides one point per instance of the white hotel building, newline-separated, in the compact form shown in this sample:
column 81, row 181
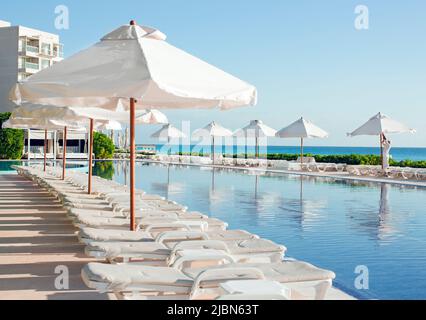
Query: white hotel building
column 24, row 52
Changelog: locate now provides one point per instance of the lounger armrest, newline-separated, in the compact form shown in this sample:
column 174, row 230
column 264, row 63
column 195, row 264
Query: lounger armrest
column 174, row 225
column 180, row 235
column 201, row 244
column 163, row 226
column 216, row 256
column 225, row 274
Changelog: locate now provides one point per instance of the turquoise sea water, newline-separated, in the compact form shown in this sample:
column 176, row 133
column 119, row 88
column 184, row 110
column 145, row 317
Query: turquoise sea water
column 397, row 153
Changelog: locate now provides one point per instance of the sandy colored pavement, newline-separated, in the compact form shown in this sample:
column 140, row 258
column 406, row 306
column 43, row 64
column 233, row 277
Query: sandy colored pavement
column 35, row 238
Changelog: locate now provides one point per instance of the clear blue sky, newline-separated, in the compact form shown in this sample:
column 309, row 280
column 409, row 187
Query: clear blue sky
column 305, row 57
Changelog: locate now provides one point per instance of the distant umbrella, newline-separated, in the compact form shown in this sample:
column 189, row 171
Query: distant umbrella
column 168, row 132
column 379, row 125
column 256, row 129
column 213, row 130
column 302, row 129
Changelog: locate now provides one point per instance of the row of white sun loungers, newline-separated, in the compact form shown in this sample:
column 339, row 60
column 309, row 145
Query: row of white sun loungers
column 175, row 254
column 391, row 172
column 308, row 166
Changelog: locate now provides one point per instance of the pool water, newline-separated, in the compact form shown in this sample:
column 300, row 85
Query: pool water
column 335, row 225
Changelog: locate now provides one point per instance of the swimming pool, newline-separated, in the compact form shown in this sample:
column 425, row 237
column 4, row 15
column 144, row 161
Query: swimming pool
column 332, row 224
column 338, row 225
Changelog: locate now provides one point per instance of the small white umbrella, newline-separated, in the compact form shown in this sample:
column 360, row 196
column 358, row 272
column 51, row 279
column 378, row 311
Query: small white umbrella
column 109, row 125
column 168, row 132
column 136, row 64
column 379, row 125
column 213, row 130
column 303, row 129
column 256, row 129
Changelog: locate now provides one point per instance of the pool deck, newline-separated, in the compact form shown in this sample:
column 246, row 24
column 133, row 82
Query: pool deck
column 36, row 237
column 333, row 175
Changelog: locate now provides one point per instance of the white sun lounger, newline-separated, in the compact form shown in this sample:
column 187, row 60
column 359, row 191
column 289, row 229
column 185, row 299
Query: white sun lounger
column 88, row 235
column 144, row 282
column 143, row 224
column 164, row 251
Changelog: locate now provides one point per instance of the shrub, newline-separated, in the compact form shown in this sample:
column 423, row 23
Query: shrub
column 11, row 141
column 350, row 159
column 103, row 147
column 104, row 169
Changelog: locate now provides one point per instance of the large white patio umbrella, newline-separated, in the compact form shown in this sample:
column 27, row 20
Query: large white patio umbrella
column 380, row 125
column 136, row 64
column 45, row 124
column 303, row 129
column 256, row 129
column 168, row 132
column 213, row 130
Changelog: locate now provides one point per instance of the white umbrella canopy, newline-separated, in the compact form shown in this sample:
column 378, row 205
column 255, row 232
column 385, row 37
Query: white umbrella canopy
column 256, row 129
column 135, row 63
column 213, row 130
column 151, row 117
column 42, row 124
column 29, row 110
column 381, row 124
column 109, row 125
column 302, row 129
column 168, row 131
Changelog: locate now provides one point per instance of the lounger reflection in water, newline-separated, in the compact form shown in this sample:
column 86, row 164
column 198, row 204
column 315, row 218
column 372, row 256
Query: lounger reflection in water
column 187, row 281
column 169, row 247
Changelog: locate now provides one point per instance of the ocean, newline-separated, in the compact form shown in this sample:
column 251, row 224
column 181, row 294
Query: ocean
column 397, row 154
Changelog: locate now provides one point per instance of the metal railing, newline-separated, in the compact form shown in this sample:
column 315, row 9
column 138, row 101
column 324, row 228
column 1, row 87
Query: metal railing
column 31, row 65
column 70, row 150
column 32, row 49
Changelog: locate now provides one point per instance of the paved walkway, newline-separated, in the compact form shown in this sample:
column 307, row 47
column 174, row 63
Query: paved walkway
column 35, row 238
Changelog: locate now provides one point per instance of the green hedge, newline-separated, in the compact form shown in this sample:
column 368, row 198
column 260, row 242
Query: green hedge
column 11, row 141
column 351, row 159
column 103, row 147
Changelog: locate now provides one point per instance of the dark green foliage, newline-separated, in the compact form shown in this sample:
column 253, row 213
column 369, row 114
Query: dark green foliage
column 11, row 141
column 351, row 159
column 103, row 147
column 104, row 169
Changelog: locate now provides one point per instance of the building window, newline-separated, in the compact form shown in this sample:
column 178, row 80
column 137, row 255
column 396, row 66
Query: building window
column 45, row 63
column 22, row 45
column 45, row 49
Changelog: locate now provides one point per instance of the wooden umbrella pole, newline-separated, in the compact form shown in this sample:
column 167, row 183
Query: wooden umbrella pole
column 132, row 164
column 64, row 145
column 45, row 149
column 301, row 151
column 381, row 150
column 89, row 184
column 257, row 148
column 213, row 150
